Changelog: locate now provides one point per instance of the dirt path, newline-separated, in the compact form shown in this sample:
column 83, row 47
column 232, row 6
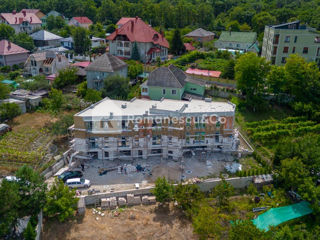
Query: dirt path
column 150, row 222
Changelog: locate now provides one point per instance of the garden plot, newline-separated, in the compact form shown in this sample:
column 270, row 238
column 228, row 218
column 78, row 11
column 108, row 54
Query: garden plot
column 25, row 146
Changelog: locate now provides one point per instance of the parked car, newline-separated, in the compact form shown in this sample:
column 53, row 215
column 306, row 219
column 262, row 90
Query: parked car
column 70, row 174
column 4, row 128
column 78, row 183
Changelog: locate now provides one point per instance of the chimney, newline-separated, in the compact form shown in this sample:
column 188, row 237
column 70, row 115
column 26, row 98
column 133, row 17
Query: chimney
column 24, row 13
column 14, row 12
column 9, row 45
column 132, row 25
column 137, row 18
column 30, row 19
column 16, row 20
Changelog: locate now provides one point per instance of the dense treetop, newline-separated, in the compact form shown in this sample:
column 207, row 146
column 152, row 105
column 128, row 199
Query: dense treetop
column 213, row 15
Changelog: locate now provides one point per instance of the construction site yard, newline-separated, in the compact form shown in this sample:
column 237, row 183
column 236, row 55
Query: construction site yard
column 139, row 222
column 199, row 165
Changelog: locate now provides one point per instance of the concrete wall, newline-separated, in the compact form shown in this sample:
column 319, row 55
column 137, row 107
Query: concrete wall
column 205, row 186
column 49, row 172
column 13, row 59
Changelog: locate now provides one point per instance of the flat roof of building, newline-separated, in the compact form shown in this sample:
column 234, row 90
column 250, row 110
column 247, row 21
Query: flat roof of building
column 139, row 107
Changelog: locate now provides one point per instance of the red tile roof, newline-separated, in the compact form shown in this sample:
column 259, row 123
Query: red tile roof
column 206, row 73
column 18, row 18
column 83, row 20
column 124, row 20
column 189, row 47
column 81, row 64
column 138, row 31
column 8, row 48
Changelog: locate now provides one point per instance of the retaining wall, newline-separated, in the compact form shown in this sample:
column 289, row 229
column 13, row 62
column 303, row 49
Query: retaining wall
column 205, row 186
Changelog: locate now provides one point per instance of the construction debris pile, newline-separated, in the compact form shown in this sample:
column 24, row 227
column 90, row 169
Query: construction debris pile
column 129, row 200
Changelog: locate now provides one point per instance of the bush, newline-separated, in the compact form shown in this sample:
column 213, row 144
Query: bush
column 9, row 111
column 163, row 190
column 61, row 126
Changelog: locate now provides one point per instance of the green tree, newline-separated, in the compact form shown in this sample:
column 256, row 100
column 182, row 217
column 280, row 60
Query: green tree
column 61, row 201
column 24, row 40
column 29, row 233
column 116, row 87
column 55, row 22
column 55, row 100
column 246, row 230
column 9, row 111
column 250, row 73
column 292, row 173
column 233, row 26
column 6, row 31
column 260, row 20
column 66, row 77
column 81, row 40
column 176, row 46
column 32, row 191
column 134, row 69
column 4, row 90
column 222, row 192
column 111, row 28
column 207, row 223
column 92, row 95
column 228, row 70
column 39, row 83
column 82, row 89
column 276, row 81
column 245, row 28
column 61, row 126
column 163, row 190
column 9, row 203
column 135, row 52
column 188, row 197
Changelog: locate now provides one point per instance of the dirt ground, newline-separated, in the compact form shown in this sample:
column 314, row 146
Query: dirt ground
column 34, row 120
column 133, row 223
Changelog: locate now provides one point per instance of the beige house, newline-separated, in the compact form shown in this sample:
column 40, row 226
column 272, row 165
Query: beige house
column 46, row 63
column 201, row 35
column 80, row 22
column 22, row 21
column 11, row 54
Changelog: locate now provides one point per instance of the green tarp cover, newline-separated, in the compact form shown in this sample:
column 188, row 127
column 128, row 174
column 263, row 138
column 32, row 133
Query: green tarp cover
column 276, row 216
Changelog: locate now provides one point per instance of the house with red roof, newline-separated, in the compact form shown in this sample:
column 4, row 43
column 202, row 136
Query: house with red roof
column 80, row 22
column 123, row 20
column 37, row 12
column 11, row 54
column 21, row 22
column 136, row 35
column 189, row 47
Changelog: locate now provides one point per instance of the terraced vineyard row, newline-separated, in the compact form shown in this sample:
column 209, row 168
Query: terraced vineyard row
column 24, row 147
column 271, row 131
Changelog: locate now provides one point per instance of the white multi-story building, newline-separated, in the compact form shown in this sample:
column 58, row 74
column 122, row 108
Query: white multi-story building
column 140, row 128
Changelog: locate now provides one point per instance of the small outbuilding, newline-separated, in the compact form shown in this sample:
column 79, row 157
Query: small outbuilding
column 201, row 35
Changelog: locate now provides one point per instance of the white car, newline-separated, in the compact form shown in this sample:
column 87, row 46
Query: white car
column 78, row 183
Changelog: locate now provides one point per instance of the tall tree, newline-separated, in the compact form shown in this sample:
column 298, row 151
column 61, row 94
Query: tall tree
column 81, row 40
column 24, row 40
column 176, row 45
column 222, row 192
column 61, row 201
column 116, row 87
column 163, row 190
column 250, row 73
column 135, row 52
column 6, row 31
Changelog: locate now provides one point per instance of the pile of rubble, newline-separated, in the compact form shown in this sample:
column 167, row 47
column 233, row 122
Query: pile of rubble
column 129, row 200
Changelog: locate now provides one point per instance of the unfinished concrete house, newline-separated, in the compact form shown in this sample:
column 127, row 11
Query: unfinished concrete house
column 140, row 128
